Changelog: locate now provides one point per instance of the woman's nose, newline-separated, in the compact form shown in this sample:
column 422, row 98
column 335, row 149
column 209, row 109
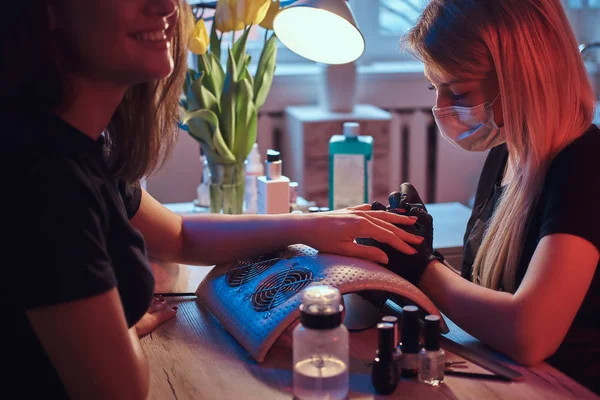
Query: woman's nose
column 163, row 8
column 442, row 101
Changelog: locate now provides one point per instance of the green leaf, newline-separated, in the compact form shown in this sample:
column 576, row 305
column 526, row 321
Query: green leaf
column 265, row 71
column 204, row 97
column 198, row 127
column 209, row 151
column 243, row 70
column 248, row 76
column 215, row 43
column 183, row 102
column 228, row 101
column 202, row 67
column 204, row 125
column 211, row 82
column 218, row 75
column 194, row 99
column 239, row 48
column 246, row 114
column 190, row 75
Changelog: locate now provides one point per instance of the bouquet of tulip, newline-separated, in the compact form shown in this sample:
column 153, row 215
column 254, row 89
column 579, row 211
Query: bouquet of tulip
column 220, row 106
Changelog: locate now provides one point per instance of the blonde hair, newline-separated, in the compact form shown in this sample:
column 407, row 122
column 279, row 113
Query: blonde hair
column 547, row 100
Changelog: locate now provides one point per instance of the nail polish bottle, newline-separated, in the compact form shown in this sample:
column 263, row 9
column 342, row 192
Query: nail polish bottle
column 397, row 352
column 410, row 341
column 384, row 373
column 432, row 358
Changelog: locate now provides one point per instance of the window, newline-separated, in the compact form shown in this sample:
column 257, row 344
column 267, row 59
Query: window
column 383, row 22
column 582, row 3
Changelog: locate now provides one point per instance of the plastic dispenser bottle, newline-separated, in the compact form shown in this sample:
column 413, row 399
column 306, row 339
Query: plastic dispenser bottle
column 254, row 169
column 273, row 187
column 320, row 346
column 350, row 168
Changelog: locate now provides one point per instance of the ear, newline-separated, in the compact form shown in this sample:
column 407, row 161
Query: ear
column 51, row 14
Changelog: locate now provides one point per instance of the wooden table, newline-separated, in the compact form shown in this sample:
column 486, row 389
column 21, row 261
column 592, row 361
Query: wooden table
column 193, row 357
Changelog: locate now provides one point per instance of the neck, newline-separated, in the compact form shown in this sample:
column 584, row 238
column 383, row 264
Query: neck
column 92, row 106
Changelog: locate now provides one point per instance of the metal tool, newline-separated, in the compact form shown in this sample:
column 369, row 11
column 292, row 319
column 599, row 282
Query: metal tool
column 478, row 359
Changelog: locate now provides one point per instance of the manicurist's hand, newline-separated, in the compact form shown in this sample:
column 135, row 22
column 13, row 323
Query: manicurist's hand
column 335, row 232
column 157, row 313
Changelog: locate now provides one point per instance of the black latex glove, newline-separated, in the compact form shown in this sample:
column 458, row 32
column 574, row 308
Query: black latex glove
column 407, row 202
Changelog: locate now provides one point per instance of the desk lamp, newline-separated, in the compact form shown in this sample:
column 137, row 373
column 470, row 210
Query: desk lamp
column 324, row 31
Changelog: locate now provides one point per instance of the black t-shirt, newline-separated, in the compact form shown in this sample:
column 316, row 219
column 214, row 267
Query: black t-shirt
column 66, row 220
column 569, row 203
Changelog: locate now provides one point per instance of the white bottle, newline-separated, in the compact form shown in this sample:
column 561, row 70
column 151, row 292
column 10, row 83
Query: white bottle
column 273, row 187
column 203, row 191
column 320, row 346
column 254, row 169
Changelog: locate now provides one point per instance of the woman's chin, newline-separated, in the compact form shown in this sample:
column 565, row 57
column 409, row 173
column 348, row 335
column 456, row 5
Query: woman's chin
column 154, row 73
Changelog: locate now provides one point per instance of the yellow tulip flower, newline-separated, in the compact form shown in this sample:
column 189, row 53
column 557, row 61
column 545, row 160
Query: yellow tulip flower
column 199, row 41
column 226, row 16
column 252, row 12
column 267, row 22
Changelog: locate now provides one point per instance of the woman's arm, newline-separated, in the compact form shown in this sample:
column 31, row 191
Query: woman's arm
column 94, row 353
column 529, row 325
column 208, row 239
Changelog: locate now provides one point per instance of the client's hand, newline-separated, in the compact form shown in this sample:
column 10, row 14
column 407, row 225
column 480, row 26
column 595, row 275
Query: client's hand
column 156, row 315
column 336, row 231
column 407, row 202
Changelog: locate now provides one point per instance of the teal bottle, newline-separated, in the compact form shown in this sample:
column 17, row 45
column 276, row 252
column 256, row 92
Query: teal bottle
column 350, row 168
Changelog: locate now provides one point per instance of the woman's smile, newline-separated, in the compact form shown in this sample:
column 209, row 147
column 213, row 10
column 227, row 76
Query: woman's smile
column 154, row 37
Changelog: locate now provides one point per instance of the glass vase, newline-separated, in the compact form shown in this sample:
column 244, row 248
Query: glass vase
column 226, row 187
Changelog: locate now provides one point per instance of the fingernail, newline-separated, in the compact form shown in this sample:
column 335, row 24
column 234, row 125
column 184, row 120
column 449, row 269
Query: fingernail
column 419, row 238
column 412, row 218
column 415, row 251
column 174, row 308
column 384, row 260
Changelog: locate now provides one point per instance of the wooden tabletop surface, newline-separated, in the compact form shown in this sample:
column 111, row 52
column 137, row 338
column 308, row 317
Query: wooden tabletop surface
column 193, row 357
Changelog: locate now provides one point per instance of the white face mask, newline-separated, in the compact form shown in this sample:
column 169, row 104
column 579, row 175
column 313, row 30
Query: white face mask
column 472, row 128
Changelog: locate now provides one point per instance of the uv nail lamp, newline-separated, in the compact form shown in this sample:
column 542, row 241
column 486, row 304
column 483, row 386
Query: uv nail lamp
column 257, row 299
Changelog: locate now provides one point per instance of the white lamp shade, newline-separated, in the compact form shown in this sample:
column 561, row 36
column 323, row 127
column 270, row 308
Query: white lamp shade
column 324, row 31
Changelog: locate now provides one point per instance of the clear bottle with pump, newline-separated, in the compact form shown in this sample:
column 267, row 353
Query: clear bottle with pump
column 350, row 168
column 320, row 346
column 432, row 358
column 202, row 200
column 254, row 169
column 273, row 187
column 410, row 345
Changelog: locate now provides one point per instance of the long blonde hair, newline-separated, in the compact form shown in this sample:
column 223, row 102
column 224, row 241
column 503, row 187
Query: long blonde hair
column 547, row 100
